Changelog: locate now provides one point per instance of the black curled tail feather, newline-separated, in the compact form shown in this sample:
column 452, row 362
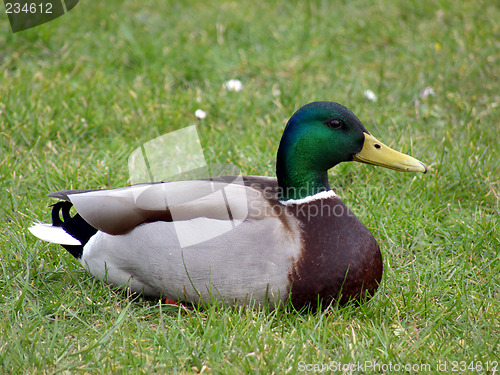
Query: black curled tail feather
column 75, row 226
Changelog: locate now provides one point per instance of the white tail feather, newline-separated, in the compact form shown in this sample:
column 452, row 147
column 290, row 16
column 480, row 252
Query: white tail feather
column 50, row 233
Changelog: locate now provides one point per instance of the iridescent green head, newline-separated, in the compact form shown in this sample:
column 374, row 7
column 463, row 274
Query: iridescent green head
column 321, row 135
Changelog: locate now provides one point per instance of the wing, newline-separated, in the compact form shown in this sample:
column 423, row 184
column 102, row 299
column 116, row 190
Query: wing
column 117, row 211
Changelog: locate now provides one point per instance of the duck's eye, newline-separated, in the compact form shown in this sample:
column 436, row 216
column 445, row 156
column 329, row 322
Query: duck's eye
column 334, row 123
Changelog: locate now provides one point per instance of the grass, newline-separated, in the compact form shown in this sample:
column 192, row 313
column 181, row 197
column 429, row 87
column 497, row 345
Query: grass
column 78, row 94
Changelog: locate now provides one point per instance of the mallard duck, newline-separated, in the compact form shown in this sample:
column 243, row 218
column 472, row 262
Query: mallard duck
column 269, row 240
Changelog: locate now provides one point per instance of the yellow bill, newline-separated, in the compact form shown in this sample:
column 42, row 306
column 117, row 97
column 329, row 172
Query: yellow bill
column 376, row 153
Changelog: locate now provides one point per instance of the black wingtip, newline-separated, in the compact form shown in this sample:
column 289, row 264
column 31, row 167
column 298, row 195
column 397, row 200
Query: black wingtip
column 75, row 226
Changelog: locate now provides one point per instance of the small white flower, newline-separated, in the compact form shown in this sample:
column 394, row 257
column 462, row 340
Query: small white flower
column 201, row 114
column 428, row 91
column 276, row 92
column 370, row 95
column 399, row 332
column 233, row 85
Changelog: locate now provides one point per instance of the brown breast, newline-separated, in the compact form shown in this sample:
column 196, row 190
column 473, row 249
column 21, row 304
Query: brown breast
column 339, row 258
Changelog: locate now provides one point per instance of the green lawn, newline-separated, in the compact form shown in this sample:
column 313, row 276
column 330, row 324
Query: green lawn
column 78, row 94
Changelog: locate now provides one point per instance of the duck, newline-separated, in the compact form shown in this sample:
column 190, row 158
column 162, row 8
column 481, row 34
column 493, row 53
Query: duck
column 240, row 240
